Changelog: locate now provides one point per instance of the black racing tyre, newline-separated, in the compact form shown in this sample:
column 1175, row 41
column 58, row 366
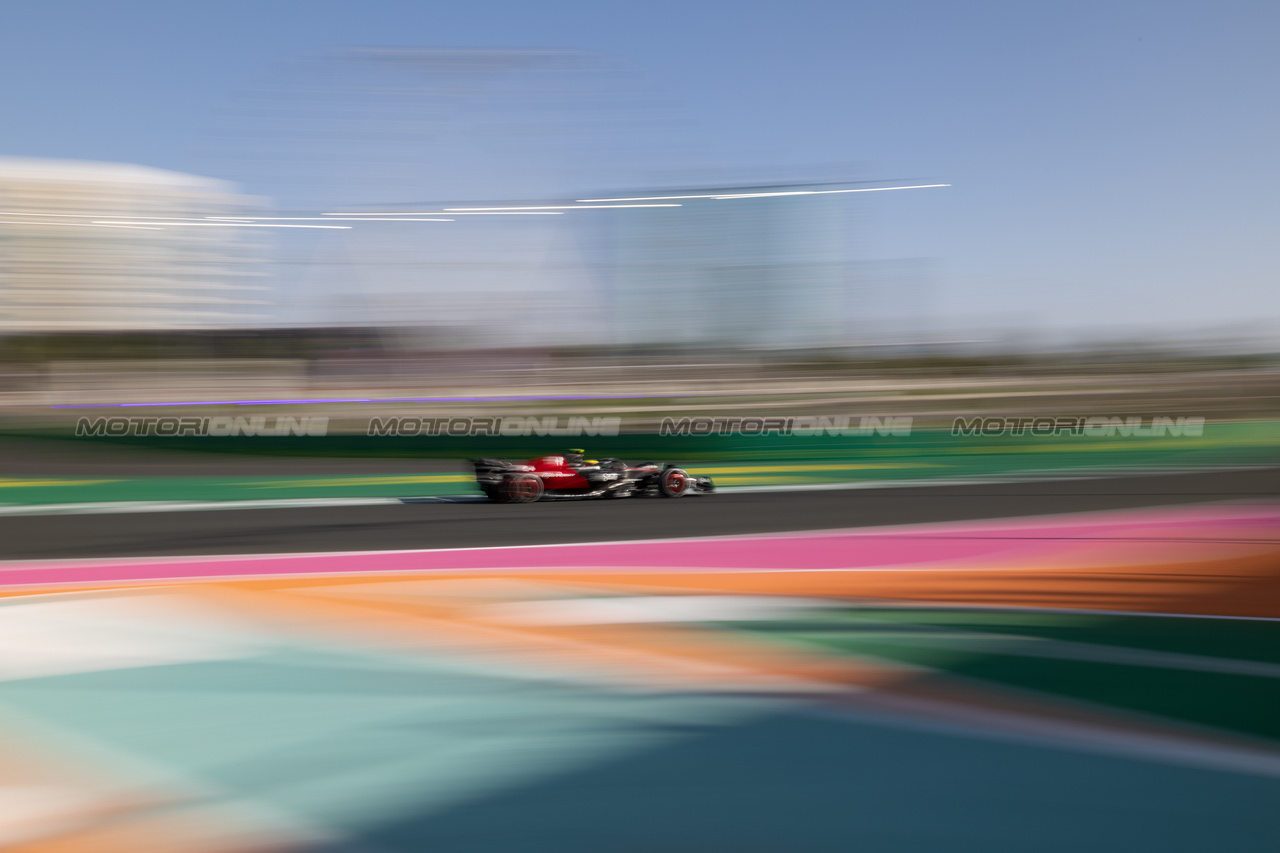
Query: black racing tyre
column 522, row 489
column 674, row 483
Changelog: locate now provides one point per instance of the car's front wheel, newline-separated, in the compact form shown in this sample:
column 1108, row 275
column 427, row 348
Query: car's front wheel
column 674, row 483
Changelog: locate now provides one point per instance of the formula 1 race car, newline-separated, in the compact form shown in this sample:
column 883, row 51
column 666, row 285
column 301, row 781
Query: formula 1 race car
column 570, row 476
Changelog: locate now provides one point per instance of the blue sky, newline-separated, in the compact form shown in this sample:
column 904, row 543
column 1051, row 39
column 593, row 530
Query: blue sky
column 1114, row 163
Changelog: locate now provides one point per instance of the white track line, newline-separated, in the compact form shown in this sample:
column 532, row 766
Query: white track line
column 117, row 507
column 1042, row 476
column 109, row 507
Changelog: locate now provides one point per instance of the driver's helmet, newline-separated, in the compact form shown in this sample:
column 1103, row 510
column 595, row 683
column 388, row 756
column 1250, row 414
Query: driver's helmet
column 573, row 456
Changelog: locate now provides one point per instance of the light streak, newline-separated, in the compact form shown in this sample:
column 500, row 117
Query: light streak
column 554, row 207
column 229, row 225
column 764, row 194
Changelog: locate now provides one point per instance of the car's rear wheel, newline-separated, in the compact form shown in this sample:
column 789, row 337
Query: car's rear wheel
column 522, row 489
column 674, row 483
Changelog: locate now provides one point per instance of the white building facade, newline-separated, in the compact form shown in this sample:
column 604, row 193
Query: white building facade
column 98, row 247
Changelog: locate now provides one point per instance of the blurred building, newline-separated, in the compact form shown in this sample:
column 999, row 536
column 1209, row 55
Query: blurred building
column 115, row 247
column 735, row 267
column 732, row 266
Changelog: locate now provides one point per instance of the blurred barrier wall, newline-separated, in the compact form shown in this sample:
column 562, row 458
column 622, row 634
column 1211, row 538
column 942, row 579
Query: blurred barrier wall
column 1248, row 442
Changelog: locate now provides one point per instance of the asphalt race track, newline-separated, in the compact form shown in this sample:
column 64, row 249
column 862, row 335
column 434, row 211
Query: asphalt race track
column 433, row 524
column 1102, row 681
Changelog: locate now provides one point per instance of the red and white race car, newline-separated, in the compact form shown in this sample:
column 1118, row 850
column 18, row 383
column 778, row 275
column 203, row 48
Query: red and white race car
column 569, row 475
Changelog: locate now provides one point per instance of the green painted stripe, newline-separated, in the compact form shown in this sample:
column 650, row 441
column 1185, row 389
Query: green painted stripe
column 1220, row 673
